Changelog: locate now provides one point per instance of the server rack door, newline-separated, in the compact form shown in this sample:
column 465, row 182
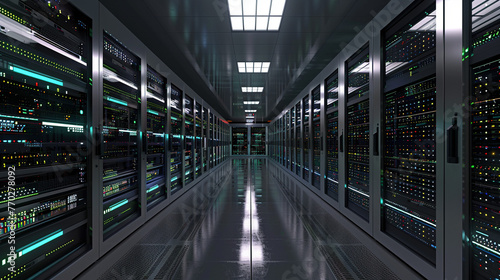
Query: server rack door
column 292, row 140
column 189, row 127
column 298, row 140
column 484, row 148
column 358, row 136
column 205, row 142
column 176, row 142
column 332, row 135
column 45, row 124
column 211, row 140
column 120, row 142
column 156, row 189
column 306, row 137
column 258, row 136
column 409, row 138
column 198, row 139
column 240, row 140
column 316, row 128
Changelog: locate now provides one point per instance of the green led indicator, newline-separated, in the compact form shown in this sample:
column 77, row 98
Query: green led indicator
column 81, row 112
column 472, row 166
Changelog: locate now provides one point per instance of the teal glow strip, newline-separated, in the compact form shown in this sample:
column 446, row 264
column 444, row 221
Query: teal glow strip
column 153, row 188
column 36, row 75
column 153, row 112
column 40, row 242
column 115, row 100
column 173, row 179
column 117, row 205
column 174, row 118
column 20, row 118
column 483, row 233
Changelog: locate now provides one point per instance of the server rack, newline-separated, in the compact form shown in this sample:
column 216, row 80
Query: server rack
column 317, row 137
column 198, row 140
column 483, row 168
column 120, row 136
column 293, row 135
column 176, row 141
column 189, row 127
column 257, row 140
column 205, row 142
column 157, row 112
column 332, row 136
column 44, row 126
column 298, row 141
column 240, row 140
column 358, row 137
column 306, row 136
column 409, row 160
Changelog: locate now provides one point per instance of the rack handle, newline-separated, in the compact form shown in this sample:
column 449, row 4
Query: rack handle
column 376, row 142
column 452, row 145
column 341, row 139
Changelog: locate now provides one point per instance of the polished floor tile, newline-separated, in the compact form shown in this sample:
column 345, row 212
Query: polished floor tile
column 250, row 221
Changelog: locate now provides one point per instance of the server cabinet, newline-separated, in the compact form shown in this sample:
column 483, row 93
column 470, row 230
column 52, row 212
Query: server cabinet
column 188, row 139
column 483, row 135
column 332, row 135
column 205, row 142
column 306, row 138
column 156, row 189
column 120, row 141
column 409, row 159
column 298, row 140
column 176, row 141
column 293, row 135
column 287, row 139
column 317, row 137
column 198, row 139
column 211, row 140
column 45, row 124
column 240, row 140
column 258, row 140
column 358, row 134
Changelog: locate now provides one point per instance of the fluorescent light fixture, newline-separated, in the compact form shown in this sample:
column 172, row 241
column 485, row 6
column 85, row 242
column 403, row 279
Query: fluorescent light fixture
column 35, row 75
column 252, row 89
column 250, row 111
column 237, row 23
column 256, row 15
column 109, row 76
column 251, row 102
column 25, row 35
column 253, row 67
column 362, row 68
column 62, row 125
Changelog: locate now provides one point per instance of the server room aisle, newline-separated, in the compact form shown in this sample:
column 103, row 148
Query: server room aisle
column 255, row 224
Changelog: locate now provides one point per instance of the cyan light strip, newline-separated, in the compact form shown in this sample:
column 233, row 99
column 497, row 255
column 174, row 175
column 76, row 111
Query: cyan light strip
column 115, row 100
column 36, row 75
column 153, row 112
column 117, row 205
column 40, row 242
column 20, row 118
column 409, row 214
column 153, row 188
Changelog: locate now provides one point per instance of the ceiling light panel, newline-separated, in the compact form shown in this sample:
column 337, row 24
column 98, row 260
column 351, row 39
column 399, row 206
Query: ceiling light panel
column 256, row 15
column 253, row 67
column 252, row 89
column 251, row 102
column 250, row 111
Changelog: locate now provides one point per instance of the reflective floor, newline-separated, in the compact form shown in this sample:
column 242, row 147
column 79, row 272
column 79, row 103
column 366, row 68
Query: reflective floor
column 251, row 221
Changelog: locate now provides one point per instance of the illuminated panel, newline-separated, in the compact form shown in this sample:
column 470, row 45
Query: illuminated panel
column 298, row 144
column 258, row 140
column 240, row 140
column 306, row 138
column 316, row 120
column 189, row 139
column 45, row 89
column 332, row 91
column 198, row 140
column 358, row 134
column 409, row 157
column 211, row 140
column 287, row 139
column 176, row 140
column 485, row 170
column 292, row 140
column 205, row 139
column 120, row 139
column 332, row 155
column 156, row 137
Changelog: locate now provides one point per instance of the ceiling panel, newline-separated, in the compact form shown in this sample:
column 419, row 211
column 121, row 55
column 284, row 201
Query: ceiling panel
column 195, row 39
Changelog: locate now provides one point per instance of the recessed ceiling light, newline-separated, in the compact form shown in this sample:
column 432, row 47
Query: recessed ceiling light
column 250, row 111
column 251, row 102
column 250, row 117
column 252, row 89
column 253, row 67
column 252, row 15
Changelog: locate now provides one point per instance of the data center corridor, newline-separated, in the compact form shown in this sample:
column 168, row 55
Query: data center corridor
column 249, row 220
